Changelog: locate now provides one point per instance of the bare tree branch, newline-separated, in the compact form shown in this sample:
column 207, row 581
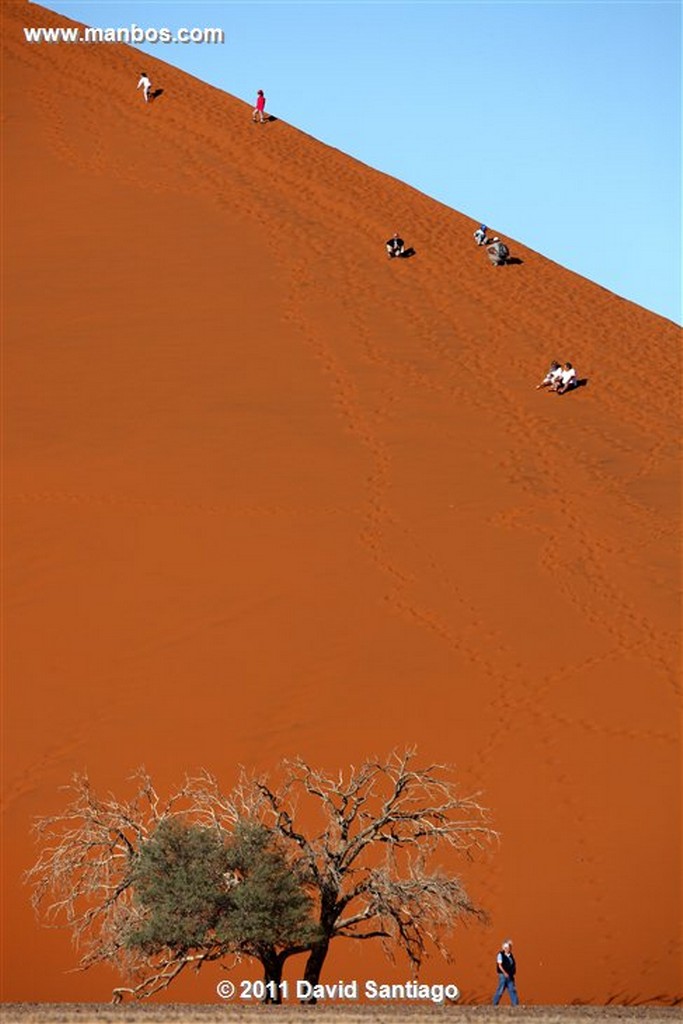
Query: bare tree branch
column 409, row 811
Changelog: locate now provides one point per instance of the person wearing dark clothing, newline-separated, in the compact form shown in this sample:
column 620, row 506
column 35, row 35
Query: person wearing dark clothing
column 506, row 969
column 498, row 252
column 395, row 246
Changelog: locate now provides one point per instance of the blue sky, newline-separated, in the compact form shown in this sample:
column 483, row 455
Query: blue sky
column 557, row 123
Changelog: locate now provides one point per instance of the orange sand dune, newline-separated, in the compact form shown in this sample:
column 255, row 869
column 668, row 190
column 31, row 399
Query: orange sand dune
column 266, row 495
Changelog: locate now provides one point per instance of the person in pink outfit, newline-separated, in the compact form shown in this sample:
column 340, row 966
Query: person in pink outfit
column 260, row 108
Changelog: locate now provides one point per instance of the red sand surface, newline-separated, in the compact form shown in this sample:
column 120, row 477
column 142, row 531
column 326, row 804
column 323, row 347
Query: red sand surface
column 268, row 495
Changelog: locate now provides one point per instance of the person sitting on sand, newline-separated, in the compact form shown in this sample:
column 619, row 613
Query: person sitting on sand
column 395, row 246
column 145, row 85
column 480, row 235
column 260, row 108
column 498, row 252
column 567, row 379
column 552, row 376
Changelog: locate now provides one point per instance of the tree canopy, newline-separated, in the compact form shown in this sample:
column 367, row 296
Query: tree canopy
column 178, row 882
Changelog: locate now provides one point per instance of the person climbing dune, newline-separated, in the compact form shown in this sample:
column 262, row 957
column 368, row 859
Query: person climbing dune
column 259, row 113
column 145, row 85
column 480, row 235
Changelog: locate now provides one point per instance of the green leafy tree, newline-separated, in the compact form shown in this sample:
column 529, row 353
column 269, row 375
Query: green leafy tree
column 147, row 886
column 200, row 891
column 270, row 915
column 178, row 881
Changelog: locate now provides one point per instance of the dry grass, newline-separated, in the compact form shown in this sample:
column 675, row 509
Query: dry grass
column 99, row 1013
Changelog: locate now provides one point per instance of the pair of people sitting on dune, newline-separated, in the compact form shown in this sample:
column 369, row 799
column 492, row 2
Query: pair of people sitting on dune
column 559, row 378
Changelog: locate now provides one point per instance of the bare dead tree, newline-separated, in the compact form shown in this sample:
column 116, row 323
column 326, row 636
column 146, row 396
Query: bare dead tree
column 408, row 812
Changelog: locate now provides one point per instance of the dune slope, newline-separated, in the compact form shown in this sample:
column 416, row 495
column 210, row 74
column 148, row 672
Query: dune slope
column 268, row 493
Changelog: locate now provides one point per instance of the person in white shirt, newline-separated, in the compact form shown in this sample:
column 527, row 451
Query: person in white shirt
column 145, row 85
column 552, row 376
column 480, row 235
column 567, row 379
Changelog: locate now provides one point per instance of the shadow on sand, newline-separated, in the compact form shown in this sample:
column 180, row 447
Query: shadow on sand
column 579, row 384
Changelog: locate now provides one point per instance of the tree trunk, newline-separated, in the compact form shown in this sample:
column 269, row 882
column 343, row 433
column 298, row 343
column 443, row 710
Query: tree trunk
column 272, row 976
column 329, row 912
column 314, row 964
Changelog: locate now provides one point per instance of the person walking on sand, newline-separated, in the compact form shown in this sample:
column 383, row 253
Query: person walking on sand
column 260, row 108
column 145, row 85
column 506, row 969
